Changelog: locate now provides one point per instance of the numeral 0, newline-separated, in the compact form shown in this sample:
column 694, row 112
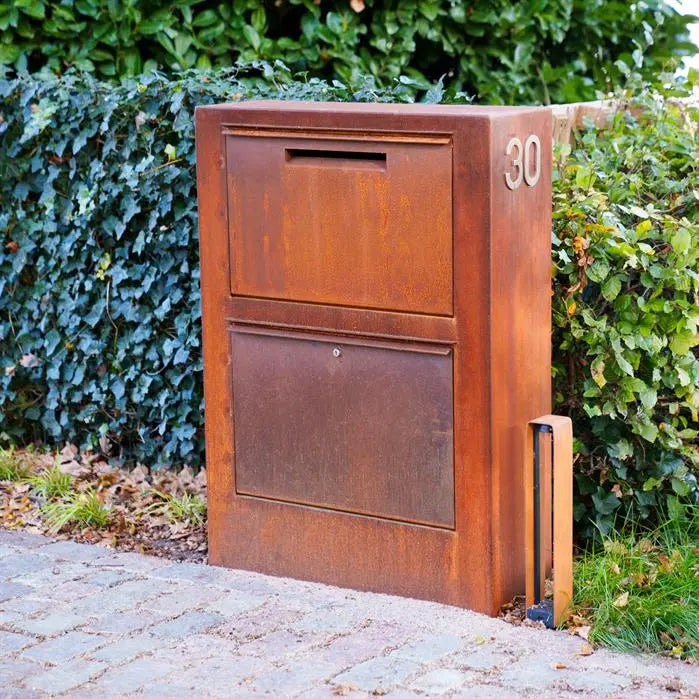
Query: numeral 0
column 521, row 165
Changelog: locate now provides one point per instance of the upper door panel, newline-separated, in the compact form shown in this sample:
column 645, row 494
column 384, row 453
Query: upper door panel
column 346, row 222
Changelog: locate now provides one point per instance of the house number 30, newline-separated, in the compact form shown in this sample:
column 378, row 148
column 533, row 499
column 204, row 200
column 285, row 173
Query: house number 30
column 525, row 161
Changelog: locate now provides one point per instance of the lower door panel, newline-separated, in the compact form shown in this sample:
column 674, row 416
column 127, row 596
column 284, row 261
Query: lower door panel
column 346, row 424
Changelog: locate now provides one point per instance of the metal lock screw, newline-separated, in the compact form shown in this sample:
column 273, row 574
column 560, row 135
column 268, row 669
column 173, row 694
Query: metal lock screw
column 337, row 352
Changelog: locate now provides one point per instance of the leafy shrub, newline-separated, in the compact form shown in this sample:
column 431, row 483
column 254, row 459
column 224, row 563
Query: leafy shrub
column 626, row 248
column 502, row 51
column 99, row 289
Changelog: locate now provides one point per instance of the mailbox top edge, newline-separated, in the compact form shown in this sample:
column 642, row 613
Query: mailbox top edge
column 400, row 109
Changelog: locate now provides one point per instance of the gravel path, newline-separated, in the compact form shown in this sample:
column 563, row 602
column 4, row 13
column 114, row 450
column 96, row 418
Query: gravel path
column 84, row 621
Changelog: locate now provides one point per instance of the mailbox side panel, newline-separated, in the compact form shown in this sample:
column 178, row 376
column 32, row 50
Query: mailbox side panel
column 520, row 323
column 472, row 430
column 213, row 250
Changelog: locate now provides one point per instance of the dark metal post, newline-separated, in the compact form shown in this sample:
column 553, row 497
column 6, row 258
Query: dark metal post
column 542, row 609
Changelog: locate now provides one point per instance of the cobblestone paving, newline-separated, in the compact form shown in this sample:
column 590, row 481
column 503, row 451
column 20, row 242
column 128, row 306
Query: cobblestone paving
column 83, row 621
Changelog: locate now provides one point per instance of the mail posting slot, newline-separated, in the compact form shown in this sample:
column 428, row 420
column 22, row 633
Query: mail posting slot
column 376, row 312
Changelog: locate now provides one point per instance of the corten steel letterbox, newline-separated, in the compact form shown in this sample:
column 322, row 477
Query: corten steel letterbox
column 376, row 312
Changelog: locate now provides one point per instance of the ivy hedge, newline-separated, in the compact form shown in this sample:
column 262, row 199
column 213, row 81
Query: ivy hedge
column 99, row 287
column 498, row 50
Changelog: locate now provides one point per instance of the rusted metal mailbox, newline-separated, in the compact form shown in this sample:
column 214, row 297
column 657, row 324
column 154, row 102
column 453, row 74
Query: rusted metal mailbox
column 376, row 311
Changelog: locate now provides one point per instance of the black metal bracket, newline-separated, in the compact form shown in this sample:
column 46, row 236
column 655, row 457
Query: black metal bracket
column 542, row 610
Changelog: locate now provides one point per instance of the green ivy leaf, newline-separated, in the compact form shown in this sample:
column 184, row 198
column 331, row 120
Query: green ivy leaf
column 651, row 484
column 585, row 177
column 675, row 510
column 681, row 241
column 682, row 342
column 205, row 18
column 605, row 503
column 679, row 486
column 33, row 8
column 648, row 431
column 649, row 397
column 598, row 270
column 624, row 365
column 638, row 211
column 611, row 287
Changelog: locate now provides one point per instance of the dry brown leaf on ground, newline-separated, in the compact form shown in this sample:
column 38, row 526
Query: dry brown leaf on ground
column 582, row 631
column 69, row 452
column 101, row 468
column 644, row 546
column 139, row 474
column 74, row 468
column 622, row 600
column 186, row 477
column 200, row 483
column 514, row 612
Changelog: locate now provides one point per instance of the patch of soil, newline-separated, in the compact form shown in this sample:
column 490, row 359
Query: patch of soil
column 137, row 500
column 515, row 611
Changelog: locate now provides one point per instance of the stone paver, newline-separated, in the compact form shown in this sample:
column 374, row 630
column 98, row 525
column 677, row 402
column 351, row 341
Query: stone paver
column 132, row 676
column 123, row 622
column 378, row 675
column 58, row 650
column 21, row 539
column 72, row 551
column 127, row 649
column 10, row 642
column 51, row 623
column 66, row 676
column 82, row 621
column 10, row 590
column 187, row 624
column 18, row 564
column 15, row 672
column 441, row 680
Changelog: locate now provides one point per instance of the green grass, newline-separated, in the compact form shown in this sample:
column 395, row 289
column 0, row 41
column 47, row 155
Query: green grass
column 640, row 591
column 52, row 483
column 82, row 509
column 10, row 467
column 189, row 509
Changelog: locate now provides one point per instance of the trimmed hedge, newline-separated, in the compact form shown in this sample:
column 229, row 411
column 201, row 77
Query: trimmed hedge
column 99, row 288
column 499, row 50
